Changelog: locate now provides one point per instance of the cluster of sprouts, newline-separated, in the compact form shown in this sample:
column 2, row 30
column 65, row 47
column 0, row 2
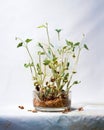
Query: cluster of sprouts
column 52, row 74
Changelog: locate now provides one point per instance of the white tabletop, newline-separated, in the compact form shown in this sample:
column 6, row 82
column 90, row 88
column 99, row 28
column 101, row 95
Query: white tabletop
column 91, row 118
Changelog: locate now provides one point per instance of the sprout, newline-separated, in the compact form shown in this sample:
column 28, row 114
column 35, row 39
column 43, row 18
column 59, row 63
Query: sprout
column 54, row 71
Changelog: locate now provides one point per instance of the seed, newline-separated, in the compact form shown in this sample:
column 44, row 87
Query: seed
column 37, row 88
column 74, row 72
column 52, row 79
column 74, row 56
column 47, row 83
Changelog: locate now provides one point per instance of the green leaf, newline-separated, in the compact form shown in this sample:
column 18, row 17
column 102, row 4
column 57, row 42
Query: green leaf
column 46, row 62
column 49, row 51
column 41, row 26
column 66, row 77
column 28, row 40
column 68, row 64
column 54, row 58
column 76, row 82
column 77, row 44
column 20, row 44
column 58, row 30
column 69, row 43
column 28, row 65
column 40, row 45
column 41, row 53
column 65, row 47
column 85, row 46
column 74, row 72
column 38, row 66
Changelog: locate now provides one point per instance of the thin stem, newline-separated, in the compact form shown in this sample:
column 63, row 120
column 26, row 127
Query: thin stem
column 76, row 62
column 47, row 33
column 44, row 74
column 40, row 66
column 25, row 45
column 31, row 71
column 77, row 57
column 46, row 53
column 31, row 59
column 48, row 38
column 69, row 82
column 59, row 36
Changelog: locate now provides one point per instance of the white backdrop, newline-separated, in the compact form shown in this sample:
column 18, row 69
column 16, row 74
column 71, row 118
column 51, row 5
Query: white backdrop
column 75, row 17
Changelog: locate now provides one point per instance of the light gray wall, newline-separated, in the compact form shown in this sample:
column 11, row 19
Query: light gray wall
column 75, row 17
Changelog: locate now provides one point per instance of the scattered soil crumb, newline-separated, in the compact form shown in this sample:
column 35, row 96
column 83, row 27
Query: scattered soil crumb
column 80, row 109
column 21, row 107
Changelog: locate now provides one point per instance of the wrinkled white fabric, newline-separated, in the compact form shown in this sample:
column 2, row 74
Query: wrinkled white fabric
column 15, row 119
